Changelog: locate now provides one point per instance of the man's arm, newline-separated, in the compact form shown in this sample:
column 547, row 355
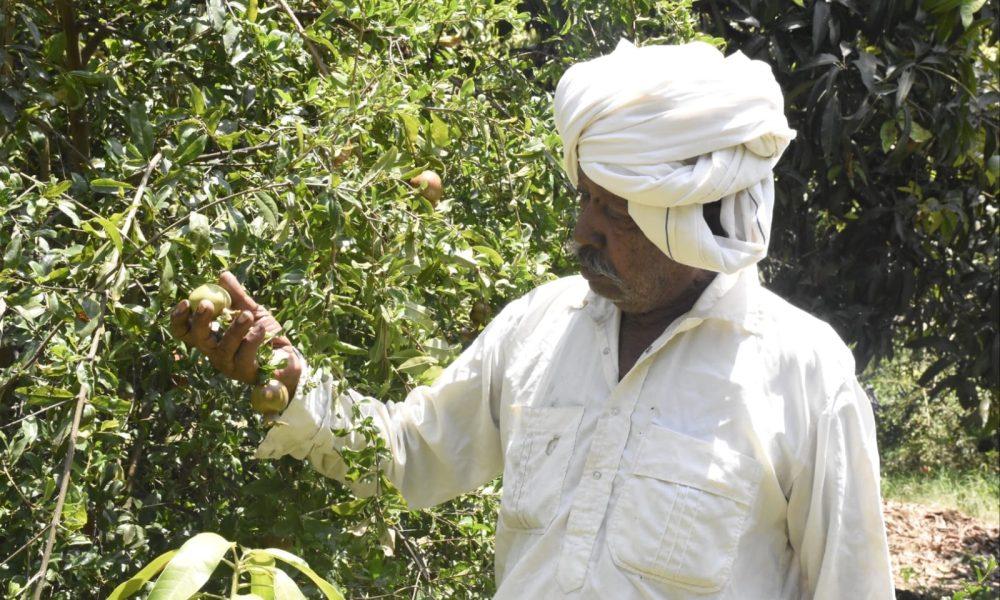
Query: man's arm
column 444, row 439
column 835, row 522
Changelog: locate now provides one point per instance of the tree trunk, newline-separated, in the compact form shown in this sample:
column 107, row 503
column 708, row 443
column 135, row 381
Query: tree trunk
column 79, row 128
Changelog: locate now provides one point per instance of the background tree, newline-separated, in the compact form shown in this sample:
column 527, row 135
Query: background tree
column 147, row 145
column 886, row 220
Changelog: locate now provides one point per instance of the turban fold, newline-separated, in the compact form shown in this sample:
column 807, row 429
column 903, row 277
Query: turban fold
column 671, row 128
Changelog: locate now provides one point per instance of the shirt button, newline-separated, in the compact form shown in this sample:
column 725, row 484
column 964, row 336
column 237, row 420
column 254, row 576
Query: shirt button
column 597, row 474
column 606, row 351
column 615, row 411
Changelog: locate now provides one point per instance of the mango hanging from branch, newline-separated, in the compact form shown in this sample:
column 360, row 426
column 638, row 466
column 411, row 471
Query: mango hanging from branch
column 428, row 183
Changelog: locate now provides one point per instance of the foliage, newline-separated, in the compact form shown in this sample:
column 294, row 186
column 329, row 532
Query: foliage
column 972, row 491
column 979, row 589
column 146, row 146
column 918, row 432
column 187, row 570
column 886, row 217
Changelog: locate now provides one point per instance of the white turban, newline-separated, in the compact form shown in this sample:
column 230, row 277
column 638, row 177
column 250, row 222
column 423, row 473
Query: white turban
column 671, row 128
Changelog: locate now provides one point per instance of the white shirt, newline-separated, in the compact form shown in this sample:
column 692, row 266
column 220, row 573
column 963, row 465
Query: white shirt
column 736, row 459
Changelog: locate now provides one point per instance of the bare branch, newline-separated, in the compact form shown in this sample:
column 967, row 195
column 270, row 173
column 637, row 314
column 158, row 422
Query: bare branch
column 320, row 65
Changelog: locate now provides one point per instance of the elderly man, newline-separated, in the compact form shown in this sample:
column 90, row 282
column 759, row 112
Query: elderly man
column 666, row 428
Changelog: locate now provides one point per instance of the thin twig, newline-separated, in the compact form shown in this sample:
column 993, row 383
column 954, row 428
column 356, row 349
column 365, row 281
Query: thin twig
column 180, row 220
column 17, row 489
column 27, row 364
column 214, row 155
column 29, row 415
column 137, row 198
column 81, row 400
column 26, row 544
column 320, row 65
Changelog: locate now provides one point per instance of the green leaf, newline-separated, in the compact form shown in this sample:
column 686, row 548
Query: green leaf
column 251, row 14
column 417, row 364
column 411, row 126
column 108, row 186
column 74, row 515
column 216, row 13
column 268, row 208
column 969, row 9
column 919, row 134
column 44, row 394
column 113, row 234
column 285, row 587
column 190, row 149
column 140, row 129
column 351, row 507
column 191, row 567
column 439, row 131
column 491, row 254
column 384, row 162
column 197, row 99
column 138, row 580
column 888, row 134
column 287, row 557
column 57, row 188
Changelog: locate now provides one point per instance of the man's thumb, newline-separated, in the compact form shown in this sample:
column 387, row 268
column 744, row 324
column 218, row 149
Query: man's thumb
column 241, row 300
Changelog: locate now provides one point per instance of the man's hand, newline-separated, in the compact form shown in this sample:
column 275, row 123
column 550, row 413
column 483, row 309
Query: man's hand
column 234, row 353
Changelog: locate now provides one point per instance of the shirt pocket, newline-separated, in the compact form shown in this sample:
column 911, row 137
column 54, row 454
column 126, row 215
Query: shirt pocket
column 535, row 464
column 682, row 511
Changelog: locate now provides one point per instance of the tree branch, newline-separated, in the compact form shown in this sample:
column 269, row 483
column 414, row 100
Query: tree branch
column 320, row 65
column 81, row 400
column 79, row 129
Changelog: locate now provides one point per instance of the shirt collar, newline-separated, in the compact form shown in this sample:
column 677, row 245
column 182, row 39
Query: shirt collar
column 730, row 298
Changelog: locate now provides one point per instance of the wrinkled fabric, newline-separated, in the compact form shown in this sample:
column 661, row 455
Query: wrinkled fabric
column 671, row 128
column 735, row 460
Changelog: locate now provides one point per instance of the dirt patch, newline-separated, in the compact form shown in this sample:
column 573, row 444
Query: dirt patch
column 933, row 549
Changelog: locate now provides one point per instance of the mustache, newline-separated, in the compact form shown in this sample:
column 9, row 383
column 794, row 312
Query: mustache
column 592, row 260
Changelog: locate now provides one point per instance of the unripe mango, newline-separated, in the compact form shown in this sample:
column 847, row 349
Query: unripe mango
column 216, row 294
column 269, row 398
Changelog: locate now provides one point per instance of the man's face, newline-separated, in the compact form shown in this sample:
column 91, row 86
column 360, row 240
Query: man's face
column 617, row 259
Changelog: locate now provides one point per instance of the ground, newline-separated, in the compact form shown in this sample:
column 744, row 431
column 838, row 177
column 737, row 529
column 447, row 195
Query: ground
column 933, row 550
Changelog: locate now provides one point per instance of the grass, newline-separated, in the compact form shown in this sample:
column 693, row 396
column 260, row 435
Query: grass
column 975, row 493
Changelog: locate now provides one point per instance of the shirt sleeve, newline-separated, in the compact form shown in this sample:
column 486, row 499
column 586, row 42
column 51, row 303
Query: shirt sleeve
column 444, row 439
column 835, row 522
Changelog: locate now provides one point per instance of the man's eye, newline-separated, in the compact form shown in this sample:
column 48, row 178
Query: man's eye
column 617, row 216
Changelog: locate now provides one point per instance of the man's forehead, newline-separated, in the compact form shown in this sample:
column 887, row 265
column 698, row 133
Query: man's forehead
column 595, row 190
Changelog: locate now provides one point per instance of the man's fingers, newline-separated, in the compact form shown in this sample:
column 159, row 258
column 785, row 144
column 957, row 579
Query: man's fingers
column 180, row 324
column 201, row 327
column 233, row 337
column 241, row 299
column 245, row 360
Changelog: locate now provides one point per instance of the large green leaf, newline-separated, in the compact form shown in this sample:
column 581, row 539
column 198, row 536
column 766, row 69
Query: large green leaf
column 327, row 588
column 285, row 587
column 191, row 567
column 138, row 580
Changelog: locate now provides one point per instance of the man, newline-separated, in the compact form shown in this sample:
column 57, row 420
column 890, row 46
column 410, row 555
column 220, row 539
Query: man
column 666, row 428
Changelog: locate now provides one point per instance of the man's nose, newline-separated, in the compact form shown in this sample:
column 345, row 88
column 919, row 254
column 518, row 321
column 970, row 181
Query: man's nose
column 588, row 231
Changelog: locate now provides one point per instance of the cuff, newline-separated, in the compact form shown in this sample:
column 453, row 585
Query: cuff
column 304, row 420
